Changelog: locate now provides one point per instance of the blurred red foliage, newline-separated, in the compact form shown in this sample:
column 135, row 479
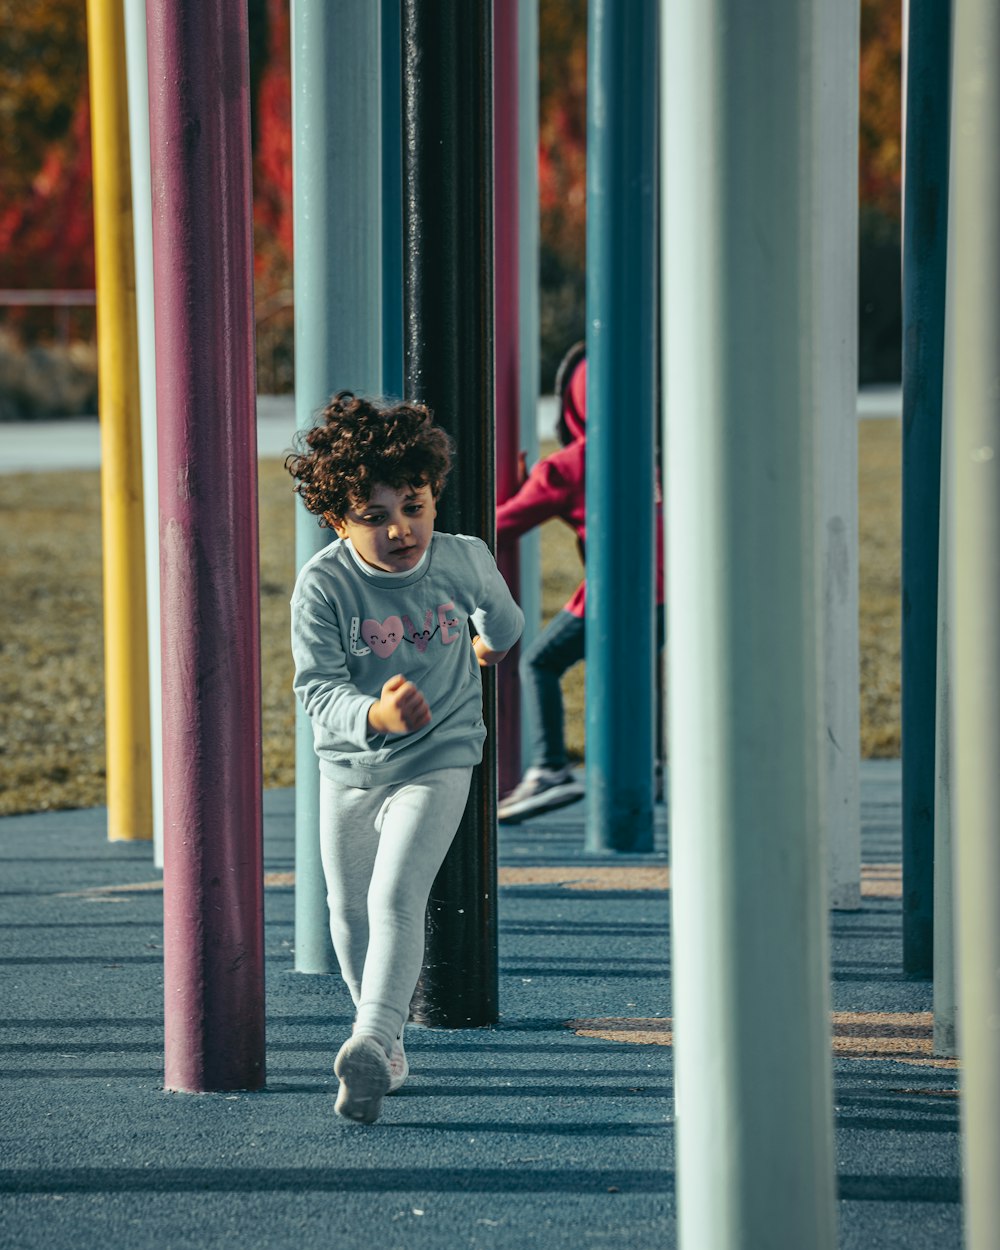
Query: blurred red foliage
column 272, row 171
column 562, row 128
column 47, row 235
column 880, row 149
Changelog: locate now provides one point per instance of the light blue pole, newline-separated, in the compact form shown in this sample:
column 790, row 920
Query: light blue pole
column 338, row 316
column 530, row 552
column 620, row 681
column 392, row 201
column 746, row 141
column 142, row 225
column 836, row 158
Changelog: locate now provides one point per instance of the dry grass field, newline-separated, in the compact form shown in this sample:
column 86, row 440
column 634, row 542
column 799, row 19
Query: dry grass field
column 51, row 644
column 879, row 526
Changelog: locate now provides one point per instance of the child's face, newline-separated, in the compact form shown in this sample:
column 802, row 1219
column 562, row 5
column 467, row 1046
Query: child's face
column 392, row 529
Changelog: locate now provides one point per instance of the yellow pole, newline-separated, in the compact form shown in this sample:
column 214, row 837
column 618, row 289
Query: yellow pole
column 126, row 662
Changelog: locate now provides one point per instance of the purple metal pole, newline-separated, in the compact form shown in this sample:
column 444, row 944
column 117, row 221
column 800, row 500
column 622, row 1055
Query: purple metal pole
column 507, row 356
column 205, row 397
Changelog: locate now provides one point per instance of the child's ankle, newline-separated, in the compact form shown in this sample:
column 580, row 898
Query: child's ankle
column 379, row 1022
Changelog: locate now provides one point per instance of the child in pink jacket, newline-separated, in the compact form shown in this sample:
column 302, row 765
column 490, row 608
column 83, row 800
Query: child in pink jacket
column 555, row 488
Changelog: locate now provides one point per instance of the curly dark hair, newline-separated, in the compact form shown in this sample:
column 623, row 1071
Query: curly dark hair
column 360, row 443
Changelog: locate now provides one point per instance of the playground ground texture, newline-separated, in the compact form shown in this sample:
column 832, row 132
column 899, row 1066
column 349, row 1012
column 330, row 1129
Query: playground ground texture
column 553, row 1129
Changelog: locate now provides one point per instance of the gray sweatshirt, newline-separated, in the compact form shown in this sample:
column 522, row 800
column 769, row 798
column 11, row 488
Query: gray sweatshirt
column 354, row 627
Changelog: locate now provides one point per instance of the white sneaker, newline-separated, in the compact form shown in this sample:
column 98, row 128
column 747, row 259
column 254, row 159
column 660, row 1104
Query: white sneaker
column 399, row 1068
column 363, row 1068
column 539, row 790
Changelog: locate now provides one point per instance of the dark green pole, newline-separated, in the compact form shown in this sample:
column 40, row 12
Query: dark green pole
column 925, row 229
column 448, row 364
column 392, row 202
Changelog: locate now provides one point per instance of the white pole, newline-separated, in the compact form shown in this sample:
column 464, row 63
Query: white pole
column 973, row 401
column 142, row 219
column 744, row 141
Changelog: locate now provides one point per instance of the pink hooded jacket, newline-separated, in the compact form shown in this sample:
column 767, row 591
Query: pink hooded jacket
column 555, row 488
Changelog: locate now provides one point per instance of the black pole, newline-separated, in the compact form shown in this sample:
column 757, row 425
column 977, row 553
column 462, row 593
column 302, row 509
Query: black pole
column 925, row 233
column 448, row 364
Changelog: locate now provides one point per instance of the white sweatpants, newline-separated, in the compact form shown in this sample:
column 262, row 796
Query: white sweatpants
column 382, row 848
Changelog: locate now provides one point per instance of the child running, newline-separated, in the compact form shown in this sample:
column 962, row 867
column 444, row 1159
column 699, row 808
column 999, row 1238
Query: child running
column 556, row 488
column 387, row 670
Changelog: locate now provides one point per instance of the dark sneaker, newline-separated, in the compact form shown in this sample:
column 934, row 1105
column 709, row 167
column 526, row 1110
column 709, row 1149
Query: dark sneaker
column 540, row 790
column 363, row 1068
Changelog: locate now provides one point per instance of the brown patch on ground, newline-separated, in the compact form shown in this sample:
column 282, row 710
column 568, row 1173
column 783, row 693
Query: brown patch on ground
column 882, row 880
column 877, row 880
column 278, row 879
column 582, row 878
column 612, row 878
column 904, row 1037
column 271, row 879
column 655, row 1031
column 138, row 887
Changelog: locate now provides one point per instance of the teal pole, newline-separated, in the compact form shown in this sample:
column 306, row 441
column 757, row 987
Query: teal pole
column 925, row 233
column 392, row 200
column 973, row 405
column 338, row 328
column 528, row 231
column 621, row 653
column 745, row 142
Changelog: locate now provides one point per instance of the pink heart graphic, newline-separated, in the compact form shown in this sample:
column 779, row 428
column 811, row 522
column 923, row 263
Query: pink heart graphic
column 383, row 636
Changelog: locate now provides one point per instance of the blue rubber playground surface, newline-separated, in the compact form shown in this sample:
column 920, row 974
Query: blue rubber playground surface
column 554, row 1129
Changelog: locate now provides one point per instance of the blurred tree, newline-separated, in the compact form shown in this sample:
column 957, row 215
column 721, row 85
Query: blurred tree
column 272, row 203
column 257, row 20
column 562, row 179
column 272, row 170
column 880, row 147
column 880, row 299
column 43, row 72
column 562, row 129
column 47, row 231
column 45, row 209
